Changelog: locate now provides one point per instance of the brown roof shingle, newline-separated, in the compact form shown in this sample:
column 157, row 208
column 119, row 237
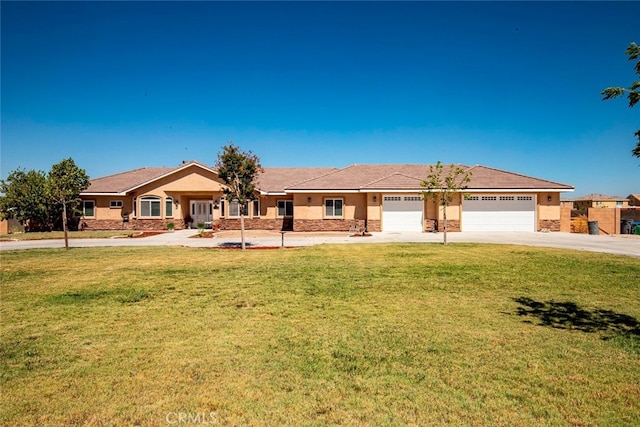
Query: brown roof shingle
column 123, row 181
column 351, row 178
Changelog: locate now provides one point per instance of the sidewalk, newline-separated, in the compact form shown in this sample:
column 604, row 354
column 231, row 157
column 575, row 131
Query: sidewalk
column 623, row 245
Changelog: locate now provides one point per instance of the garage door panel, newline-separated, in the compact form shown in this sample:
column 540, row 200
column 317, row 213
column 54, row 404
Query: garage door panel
column 499, row 213
column 402, row 213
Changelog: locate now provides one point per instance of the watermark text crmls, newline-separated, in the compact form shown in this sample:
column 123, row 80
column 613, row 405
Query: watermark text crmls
column 197, row 418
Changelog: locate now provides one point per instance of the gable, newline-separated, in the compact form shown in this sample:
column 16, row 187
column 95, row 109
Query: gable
column 153, row 177
column 192, row 179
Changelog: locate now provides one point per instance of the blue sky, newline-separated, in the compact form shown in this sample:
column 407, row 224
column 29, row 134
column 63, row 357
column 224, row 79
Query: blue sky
column 515, row 85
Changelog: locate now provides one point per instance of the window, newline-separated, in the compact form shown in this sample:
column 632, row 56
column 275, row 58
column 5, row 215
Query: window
column 285, row 208
column 333, row 208
column 135, row 207
column 168, row 207
column 255, row 211
column 222, row 212
column 489, row 198
column 392, row 198
column 619, row 203
column 88, row 208
column 474, row 198
column 525, row 198
column 115, row 203
column 234, row 208
column 507, row 198
column 150, row 207
column 413, row 199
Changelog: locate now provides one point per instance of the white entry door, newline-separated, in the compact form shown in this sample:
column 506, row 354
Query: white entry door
column 402, row 213
column 499, row 212
column 201, row 211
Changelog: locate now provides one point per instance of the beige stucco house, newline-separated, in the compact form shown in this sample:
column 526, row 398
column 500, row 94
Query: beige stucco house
column 373, row 197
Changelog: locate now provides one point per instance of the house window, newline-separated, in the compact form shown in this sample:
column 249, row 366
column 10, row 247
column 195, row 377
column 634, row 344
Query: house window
column 115, row 203
column 150, row 207
column 234, row 208
column 285, row 208
column 255, row 210
column 88, row 208
column 222, row 211
column 619, row 203
column 333, row 208
column 168, row 207
column 135, row 207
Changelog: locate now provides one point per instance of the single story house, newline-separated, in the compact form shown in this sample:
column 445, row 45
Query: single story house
column 381, row 197
column 600, row 201
column 634, row 199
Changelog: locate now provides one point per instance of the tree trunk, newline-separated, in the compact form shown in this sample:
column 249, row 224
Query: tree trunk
column 64, row 224
column 242, row 230
column 444, row 219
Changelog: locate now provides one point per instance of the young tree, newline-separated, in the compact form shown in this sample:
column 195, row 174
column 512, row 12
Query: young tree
column 442, row 185
column 633, row 93
column 238, row 170
column 24, row 198
column 65, row 182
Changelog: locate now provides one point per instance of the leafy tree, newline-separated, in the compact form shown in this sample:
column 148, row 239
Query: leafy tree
column 238, row 170
column 442, row 185
column 65, row 182
column 24, row 197
column 633, row 94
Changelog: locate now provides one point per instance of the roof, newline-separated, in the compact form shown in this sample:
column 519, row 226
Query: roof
column 356, row 177
column 275, row 180
column 121, row 182
column 599, row 198
column 410, row 176
column 484, row 177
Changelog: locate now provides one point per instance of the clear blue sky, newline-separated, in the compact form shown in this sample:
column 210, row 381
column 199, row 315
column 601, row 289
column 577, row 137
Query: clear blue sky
column 515, row 86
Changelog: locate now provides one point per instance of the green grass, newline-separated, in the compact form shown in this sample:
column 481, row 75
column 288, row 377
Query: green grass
column 417, row 334
column 71, row 235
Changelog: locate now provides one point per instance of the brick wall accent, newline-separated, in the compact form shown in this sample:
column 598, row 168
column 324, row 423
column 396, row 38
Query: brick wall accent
column 374, row 225
column 285, row 224
column 430, row 226
column 452, row 225
column 326, row 224
column 549, row 224
column 133, row 224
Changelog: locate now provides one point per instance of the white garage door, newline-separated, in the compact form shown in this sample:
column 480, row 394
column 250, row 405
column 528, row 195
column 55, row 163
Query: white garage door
column 494, row 212
column 402, row 213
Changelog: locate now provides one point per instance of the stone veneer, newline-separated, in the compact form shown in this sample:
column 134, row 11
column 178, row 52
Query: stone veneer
column 132, row 224
column 374, row 225
column 326, row 224
column 285, row 224
column 549, row 224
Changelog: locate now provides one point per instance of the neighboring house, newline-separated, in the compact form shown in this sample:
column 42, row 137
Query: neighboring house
column 634, row 199
column 373, row 197
column 600, row 201
column 566, row 203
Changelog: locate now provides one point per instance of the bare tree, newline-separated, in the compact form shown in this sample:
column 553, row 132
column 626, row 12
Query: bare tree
column 442, row 186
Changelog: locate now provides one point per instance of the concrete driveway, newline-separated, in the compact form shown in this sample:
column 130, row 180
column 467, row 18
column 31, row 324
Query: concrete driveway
column 622, row 245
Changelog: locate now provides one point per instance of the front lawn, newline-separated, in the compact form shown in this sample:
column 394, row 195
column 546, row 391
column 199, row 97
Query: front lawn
column 417, row 334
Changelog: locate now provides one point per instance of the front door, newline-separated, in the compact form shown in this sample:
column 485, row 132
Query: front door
column 201, row 211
